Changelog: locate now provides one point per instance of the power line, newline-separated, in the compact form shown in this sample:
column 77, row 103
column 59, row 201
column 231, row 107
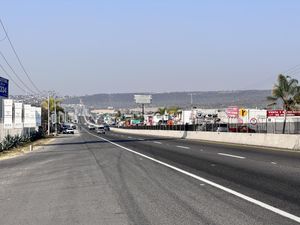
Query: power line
column 292, row 69
column 18, row 58
column 12, row 79
column 3, row 38
column 14, row 72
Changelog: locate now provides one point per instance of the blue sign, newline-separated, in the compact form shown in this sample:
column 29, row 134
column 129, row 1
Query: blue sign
column 3, row 87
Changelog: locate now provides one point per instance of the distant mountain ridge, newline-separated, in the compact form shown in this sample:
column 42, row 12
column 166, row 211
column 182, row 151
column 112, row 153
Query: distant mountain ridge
column 203, row 99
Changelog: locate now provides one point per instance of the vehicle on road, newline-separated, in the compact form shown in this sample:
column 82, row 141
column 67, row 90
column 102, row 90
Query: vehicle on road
column 101, row 130
column 222, row 128
column 91, row 127
column 68, row 131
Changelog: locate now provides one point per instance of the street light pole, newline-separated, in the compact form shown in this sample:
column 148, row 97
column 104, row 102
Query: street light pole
column 48, row 113
column 55, row 116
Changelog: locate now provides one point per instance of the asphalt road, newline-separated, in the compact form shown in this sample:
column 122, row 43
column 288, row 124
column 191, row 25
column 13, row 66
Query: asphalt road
column 124, row 179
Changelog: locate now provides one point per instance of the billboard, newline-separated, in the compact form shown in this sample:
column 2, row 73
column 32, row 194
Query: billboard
column 32, row 117
column 3, row 87
column 143, row 99
column 27, row 112
column 18, row 115
column 7, row 115
column 38, row 116
column 280, row 113
column 232, row 112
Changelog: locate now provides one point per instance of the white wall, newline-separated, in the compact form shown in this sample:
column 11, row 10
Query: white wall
column 286, row 141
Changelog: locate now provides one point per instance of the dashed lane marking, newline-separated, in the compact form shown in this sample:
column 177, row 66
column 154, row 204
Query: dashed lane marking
column 213, row 184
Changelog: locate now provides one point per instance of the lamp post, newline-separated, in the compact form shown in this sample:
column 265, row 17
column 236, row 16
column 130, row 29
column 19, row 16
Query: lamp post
column 48, row 113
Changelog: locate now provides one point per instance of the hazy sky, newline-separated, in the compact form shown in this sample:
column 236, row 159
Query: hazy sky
column 85, row 47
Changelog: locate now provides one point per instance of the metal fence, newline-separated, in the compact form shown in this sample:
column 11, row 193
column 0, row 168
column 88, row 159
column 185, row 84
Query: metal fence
column 269, row 127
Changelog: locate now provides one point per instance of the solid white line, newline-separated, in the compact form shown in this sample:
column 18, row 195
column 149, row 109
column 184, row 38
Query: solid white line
column 234, row 156
column 235, row 193
column 157, row 142
column 179, row 146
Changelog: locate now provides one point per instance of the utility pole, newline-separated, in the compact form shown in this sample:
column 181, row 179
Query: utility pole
column 191, row 99
column 48, row 113
column 55, row 116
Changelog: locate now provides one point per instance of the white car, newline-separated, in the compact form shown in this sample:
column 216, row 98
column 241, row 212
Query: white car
column 100, row 130
column 68, row 131
column 91, row 127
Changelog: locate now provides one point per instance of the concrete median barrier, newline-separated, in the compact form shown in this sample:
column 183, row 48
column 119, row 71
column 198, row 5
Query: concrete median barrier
column 285, row 141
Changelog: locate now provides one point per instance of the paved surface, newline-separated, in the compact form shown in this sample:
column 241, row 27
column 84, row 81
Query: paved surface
column 82, row 179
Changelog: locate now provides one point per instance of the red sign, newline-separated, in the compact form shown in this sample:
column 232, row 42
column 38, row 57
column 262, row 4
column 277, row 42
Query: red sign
column 280, row 113
column 232, row 112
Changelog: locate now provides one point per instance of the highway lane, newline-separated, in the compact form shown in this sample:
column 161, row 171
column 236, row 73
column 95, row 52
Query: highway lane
column 271, row 176
column 81, row 179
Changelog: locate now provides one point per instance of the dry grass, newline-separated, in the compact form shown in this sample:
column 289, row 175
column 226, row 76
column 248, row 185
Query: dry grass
column 24, row 149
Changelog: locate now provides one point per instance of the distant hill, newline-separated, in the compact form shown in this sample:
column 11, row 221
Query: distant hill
column 208, row 99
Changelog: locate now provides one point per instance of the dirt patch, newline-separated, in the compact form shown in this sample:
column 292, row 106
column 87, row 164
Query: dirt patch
column 24, row 149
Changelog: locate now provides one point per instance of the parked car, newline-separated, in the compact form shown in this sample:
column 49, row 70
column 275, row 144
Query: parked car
column 91, row 127
column 68, row 131
column 241, row 129
column 101, row 130
column 222, row 128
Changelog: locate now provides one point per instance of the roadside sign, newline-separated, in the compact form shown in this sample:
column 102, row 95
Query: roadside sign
column 253, row 121
column 8, row 113
column 280, row 113
column 18, row 115
column 240, row 121
column 3, row 87
column 232, row 112
column 243, row 112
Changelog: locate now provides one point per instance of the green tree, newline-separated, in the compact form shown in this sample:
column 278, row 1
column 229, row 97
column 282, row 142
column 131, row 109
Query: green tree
column 52, row 104
column 288, row 92
column 173, row 110
column 161, row 111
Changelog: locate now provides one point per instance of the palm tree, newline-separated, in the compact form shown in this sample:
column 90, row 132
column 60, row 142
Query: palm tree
column 288, row 92
column 173, row 110
column 52, row 103
column 161, row 111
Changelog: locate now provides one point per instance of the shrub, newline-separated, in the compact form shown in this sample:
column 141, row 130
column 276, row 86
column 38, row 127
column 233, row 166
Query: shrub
column 10, row 141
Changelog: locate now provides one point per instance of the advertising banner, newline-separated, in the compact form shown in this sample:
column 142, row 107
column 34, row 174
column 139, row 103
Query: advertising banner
column 32, row 116
column 3, row 87
column 232, row 112
column 280, row 113
column 143, row 99
column 27, row 112
column 18, row 115
column 38, row 116
column 7, row 115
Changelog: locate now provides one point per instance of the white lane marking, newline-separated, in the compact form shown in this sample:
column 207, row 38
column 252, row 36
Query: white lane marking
column 179, row 146
column 157, row 142
column 233, row 156
column 213, row 184
column 274, row 163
